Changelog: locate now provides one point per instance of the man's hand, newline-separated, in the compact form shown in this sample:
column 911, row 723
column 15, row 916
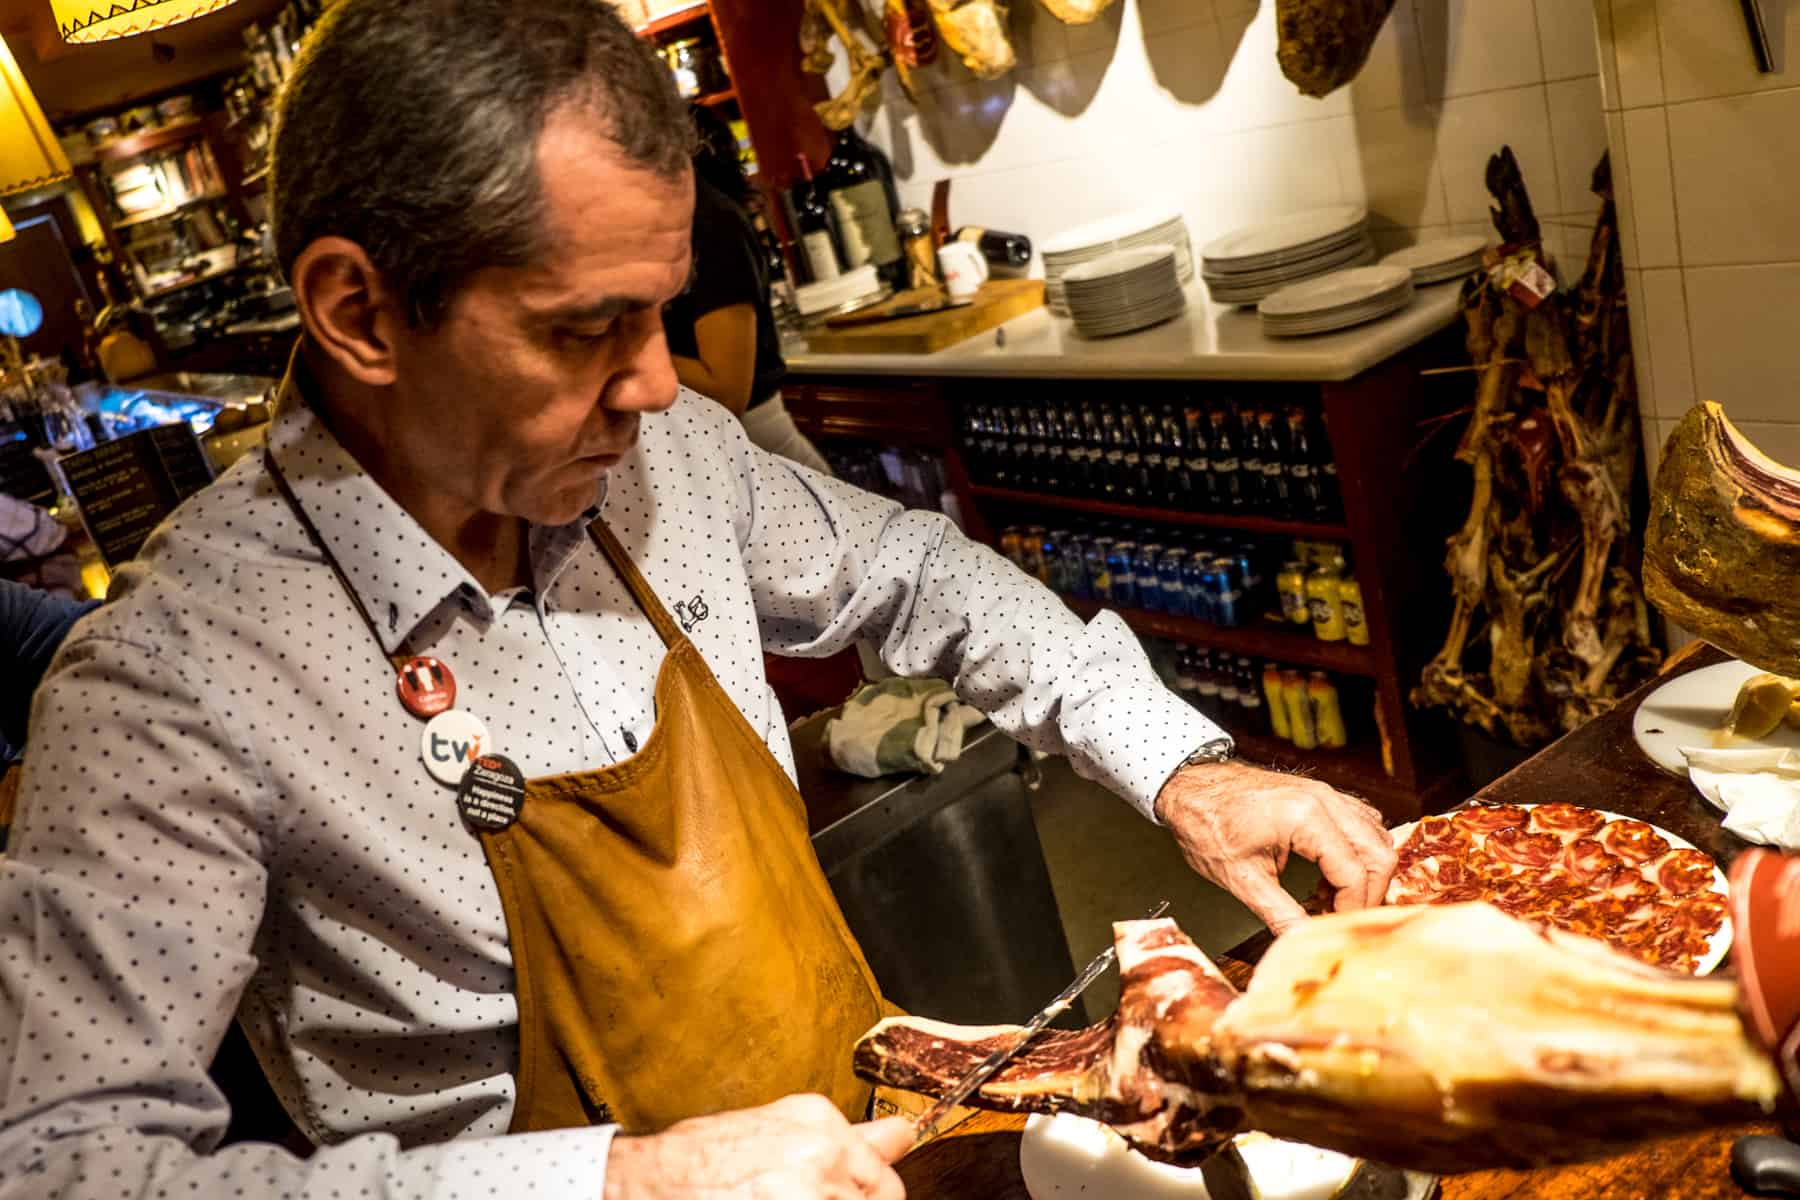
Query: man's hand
column 798, row 1148
column 1236, row 825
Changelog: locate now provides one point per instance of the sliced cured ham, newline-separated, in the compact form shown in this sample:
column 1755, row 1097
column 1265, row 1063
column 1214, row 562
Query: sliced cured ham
column 1633, row 841
column 1566, row 820
column 1378, row 1033
column 1683, row 872
column 1585, row 859
column 1486, row 818
column 1518, row 845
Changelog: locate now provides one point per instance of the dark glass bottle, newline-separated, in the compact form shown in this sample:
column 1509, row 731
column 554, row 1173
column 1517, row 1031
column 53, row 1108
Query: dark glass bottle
column 860, row 183
column 1133, row 485
column 1112, row 463
column 1278, row 500
column 1331, row 499
column 1197, row 431
column 820, row 248
column 1156, row 468
column 1227, row 480
column 1093, row 445
column 1302, row 470
column 1250, row 460
column 1175, row 460
column 1000, row 249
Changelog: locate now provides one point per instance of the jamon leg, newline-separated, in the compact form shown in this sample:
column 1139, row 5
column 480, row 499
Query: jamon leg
column 1324, row 43
column 1444, row 1038
column 1722, row 548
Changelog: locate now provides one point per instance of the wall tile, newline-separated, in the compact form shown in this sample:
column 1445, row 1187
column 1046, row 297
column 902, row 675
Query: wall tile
column 1394, row 76
column 1609, row 61
column 1735, row 178
column 1389, row 240
column 1746, row 356
column 1656, row 431
column 1566, row 39
column 1622, row 194
column 1478, row 46
column 1637, row 52
column 1706, row 51
column 1643, row 350
column 1393, row 156
column 1474, row 127
column 1578, row 135
column 1652, row 188
column 1666, row 326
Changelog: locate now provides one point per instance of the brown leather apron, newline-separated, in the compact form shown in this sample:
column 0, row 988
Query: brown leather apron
column 676, row 948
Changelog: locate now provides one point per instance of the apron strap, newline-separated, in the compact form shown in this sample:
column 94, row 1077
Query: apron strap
column 635, row 583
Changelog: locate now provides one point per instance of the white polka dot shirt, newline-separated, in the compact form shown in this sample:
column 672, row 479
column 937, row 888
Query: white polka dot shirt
column 225, row 809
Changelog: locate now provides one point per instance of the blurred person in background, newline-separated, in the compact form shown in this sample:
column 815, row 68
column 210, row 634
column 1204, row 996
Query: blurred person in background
column 721, row 330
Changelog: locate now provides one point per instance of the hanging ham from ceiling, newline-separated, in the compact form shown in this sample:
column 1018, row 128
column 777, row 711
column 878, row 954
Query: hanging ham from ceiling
column 1324, row 43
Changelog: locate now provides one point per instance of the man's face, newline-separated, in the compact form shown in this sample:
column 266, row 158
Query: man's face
column 530, row 388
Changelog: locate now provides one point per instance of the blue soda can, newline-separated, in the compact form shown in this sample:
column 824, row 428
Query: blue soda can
column 1194, row 582
column 1174, row 588
column 1226, row 592
column 1122, row 562
column 1099, row 569
column 1149, row 591
column 1074, row 558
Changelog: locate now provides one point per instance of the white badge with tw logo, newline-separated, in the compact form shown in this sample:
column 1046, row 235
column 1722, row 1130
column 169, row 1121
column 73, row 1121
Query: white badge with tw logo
column 451, row 742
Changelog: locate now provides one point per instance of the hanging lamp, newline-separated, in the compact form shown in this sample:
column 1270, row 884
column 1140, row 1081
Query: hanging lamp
column 84, row 21
column 30, row 155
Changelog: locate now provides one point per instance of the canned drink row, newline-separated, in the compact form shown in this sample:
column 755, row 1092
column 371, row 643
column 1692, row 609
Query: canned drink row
column 1303, row 708
column 1223, row 581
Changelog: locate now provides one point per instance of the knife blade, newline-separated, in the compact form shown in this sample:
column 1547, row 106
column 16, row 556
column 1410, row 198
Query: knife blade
column 985, row 1070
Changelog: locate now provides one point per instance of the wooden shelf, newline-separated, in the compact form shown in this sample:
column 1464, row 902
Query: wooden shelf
column 1247, row 523
column 172, row 288
column 669, row 22
column 148, row 140
column 1263, row 639
column 728, row 96
column 159, row 214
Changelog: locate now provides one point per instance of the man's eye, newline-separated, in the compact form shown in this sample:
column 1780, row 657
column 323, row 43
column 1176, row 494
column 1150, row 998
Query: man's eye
column 587, row 337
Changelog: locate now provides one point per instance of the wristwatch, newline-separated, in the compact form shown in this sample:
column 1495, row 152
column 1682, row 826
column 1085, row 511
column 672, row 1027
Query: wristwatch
column 1218, row 750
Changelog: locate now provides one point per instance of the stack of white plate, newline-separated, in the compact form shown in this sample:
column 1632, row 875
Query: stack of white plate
column 1336, row 301
column 1146, row 227
column 844, row 294
column 1247, row 264
column 1441, row 259
column 1126, row 290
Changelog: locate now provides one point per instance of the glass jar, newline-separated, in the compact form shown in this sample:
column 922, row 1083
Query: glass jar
column 914, row 228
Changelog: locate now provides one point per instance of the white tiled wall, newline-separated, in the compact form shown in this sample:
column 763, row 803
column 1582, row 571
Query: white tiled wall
column 1182, row 103
column 1708, row 168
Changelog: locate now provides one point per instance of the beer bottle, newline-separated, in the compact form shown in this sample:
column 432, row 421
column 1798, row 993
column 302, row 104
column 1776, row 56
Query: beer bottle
column 1133, row 485
column 1309, row 501
column 1328, row 714
column 1150, row 428
column 1227, row 484
column 1303, row 729
column 1250, row 461
column 1198, row 431
column 1112, row 462
column 1175, row 460
column 1250, row 701
column 1277, row 704
column 1331, row 502
column 1278, row 500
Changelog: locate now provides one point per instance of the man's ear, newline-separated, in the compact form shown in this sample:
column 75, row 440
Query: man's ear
column 347, row 308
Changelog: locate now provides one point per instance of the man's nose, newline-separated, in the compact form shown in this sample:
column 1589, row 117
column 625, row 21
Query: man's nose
column 647, row 382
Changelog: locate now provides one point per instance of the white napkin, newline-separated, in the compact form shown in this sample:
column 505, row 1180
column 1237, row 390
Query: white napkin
column 1759, row 789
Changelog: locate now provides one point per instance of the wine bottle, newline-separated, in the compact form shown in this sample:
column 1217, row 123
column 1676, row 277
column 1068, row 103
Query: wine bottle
column 859, row 181
column 818, row 235
column 1000, row 249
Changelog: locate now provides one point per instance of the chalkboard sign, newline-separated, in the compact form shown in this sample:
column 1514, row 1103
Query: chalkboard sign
column 126, row 487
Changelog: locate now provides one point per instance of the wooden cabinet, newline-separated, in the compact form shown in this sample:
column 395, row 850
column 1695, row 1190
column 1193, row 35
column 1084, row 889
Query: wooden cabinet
column 1401, row 497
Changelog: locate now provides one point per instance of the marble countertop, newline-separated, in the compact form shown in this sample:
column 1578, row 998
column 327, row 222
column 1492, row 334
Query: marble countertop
column 1209, row 341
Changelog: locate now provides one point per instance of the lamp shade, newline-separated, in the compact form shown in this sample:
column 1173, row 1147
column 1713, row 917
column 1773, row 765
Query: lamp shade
column 7, row 232
column 83, row 21
column 30, row 155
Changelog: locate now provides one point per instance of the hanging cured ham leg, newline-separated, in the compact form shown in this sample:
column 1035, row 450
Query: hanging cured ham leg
column 1378, row 1033
column 1324, row 43
column 1722, row 548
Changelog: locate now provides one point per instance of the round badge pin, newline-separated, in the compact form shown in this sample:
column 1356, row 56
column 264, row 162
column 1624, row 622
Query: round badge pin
column 451, row 741
column 426, row 686
column 491, row 792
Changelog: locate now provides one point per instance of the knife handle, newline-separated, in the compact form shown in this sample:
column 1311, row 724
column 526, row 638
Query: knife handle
column 1766, row 1166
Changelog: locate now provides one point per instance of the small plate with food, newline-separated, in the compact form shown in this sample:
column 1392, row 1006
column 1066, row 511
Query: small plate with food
column 1641, row 889
column 1727, row 706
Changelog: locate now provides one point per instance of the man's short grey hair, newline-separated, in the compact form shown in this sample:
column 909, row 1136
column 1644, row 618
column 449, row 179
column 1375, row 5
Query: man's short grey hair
column 410, row 127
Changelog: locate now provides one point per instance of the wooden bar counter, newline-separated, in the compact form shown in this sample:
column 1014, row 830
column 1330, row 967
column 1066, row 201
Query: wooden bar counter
column 1598, row 765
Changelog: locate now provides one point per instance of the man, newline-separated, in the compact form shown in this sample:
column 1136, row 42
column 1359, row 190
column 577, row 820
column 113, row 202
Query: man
column 550, row 873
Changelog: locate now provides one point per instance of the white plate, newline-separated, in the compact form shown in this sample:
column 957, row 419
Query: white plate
column 1120, row 262
column 1108, row 230
column 1721, row 940
column 1332, row 322
column 1295, row 231
column 1437, row 253
column 1691, row 709
column 1338, row 290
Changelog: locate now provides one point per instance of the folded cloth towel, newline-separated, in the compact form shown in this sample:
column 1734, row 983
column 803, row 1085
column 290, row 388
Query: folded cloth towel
column 900, row 725
column 1759, row 789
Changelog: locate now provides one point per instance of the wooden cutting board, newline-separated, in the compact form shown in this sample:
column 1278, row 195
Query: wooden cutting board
column 998, row 301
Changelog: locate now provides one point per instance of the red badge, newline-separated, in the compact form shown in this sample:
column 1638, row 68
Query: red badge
column 426, row 687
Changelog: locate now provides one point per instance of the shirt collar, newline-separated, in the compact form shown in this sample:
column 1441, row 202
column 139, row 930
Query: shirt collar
column 399, row 572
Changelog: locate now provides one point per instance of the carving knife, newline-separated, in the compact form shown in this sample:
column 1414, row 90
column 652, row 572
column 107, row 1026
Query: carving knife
column 985, row 1070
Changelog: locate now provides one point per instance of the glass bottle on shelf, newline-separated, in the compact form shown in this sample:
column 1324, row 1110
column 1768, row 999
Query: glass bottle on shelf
column 1197, row 436
column 1227, row 485
column 1278, row 497
column 1309, row 496
column 1250, row 461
